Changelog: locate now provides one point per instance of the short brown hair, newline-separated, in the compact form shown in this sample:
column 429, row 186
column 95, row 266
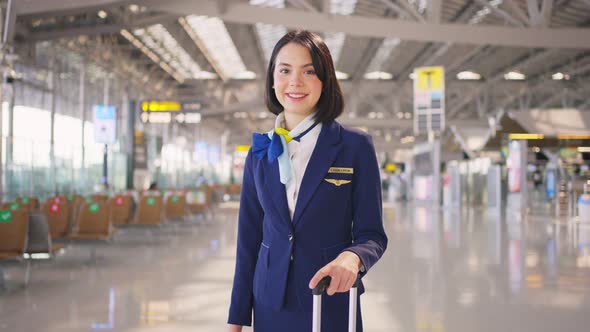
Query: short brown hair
column 331, row 102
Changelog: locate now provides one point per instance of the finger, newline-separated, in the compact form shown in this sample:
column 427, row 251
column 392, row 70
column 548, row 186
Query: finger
column 346, row 284
column 334, row 284
column 323, row 272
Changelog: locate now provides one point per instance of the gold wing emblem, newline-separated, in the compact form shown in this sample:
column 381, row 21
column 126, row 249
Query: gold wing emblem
column 337, row 182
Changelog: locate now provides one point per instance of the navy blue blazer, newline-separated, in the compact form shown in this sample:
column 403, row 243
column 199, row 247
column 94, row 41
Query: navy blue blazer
column 335, row 211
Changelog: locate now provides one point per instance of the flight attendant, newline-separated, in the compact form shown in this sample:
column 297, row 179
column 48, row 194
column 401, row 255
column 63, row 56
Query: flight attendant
column 311, row 200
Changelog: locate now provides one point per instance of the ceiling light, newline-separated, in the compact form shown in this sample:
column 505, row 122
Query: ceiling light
column 342, row 76
column 514, row 76
column 133, row 8
column 412, row 76
column 245, row 75
column 560, row 76
column 400, row 115
column 407, row 139
column 378, row 75
column 468, row 76
column 408, row 115
column 102, row 14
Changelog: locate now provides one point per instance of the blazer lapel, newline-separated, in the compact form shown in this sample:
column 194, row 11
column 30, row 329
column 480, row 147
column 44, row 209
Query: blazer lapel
column 322, row 157
column 275, row 189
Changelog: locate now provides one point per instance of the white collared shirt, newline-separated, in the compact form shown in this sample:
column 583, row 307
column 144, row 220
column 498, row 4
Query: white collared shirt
column 299, row 153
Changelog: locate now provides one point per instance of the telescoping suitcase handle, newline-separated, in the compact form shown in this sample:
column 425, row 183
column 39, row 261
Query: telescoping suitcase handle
column 317, row 304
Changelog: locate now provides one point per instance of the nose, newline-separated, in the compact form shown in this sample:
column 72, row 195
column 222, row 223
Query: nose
column 295, row 79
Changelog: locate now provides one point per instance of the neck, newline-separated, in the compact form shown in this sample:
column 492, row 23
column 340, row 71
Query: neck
column 292, row 120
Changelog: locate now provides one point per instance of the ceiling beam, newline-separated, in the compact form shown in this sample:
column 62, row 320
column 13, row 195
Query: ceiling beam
column 465, row 100
column 513, row 7
column 385, row 27
column 9, row 22
column 114, row 28
column 540, row 84
column 434, row 11
column 399, row 10
column 501, row 13
column 408, row 8
column 394, row 123
column 35, row 7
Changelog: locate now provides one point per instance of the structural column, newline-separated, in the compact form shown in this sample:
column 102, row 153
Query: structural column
column 52, row 91
column 105, row 179
column 9, row 90
column 82, row 104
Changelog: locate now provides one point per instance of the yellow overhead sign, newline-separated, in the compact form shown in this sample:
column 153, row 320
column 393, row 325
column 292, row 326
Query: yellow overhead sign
column 390, row 167
column 430, row 78
column 525, row 136
column 242, row 148
column 161, row 106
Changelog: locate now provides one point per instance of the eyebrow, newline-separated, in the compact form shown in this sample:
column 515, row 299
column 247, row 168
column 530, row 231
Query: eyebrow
column 288, row 65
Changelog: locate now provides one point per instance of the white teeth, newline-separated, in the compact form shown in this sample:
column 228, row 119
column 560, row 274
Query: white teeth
column 293, row 95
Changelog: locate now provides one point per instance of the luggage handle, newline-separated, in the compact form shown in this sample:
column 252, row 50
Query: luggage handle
column 317, row 304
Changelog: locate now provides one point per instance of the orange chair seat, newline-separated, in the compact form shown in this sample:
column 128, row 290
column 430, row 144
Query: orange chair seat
column 10, row 254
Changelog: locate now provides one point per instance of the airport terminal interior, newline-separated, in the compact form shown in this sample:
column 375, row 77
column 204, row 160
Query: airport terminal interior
column 126, row 124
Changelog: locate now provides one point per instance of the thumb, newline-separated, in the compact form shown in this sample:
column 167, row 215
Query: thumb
column 318, row 277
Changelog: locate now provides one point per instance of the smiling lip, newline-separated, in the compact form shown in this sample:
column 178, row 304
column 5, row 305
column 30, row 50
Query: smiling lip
column 296, row 96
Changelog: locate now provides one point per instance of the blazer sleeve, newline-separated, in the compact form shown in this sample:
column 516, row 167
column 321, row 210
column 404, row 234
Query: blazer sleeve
column 249, row 238
column 369, row 239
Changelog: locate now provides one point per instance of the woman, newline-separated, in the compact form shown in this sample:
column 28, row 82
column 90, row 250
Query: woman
column 311, row 200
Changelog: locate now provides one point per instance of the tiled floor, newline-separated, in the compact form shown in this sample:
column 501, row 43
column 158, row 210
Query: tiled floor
column 461, row 271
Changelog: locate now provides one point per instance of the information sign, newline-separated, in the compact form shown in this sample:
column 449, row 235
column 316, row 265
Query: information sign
column 105, row 124
column 429, row 100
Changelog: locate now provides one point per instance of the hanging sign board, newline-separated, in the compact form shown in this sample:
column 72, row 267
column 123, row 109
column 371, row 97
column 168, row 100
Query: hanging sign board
column 429, row 100
column 105, row 124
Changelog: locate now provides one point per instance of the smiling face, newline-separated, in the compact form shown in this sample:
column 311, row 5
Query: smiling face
column 296, row 84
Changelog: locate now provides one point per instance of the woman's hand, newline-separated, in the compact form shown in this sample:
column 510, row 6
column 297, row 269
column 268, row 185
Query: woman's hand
column 235, row 328
column 343, row 270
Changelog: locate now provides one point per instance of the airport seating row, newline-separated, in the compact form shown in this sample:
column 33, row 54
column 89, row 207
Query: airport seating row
column 28, row 228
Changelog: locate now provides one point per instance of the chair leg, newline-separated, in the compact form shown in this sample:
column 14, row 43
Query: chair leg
column 93, row 255
column 27, row 272
column 2, row 279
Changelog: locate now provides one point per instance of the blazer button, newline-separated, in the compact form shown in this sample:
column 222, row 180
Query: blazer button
column 291, row 257
column 290, row 237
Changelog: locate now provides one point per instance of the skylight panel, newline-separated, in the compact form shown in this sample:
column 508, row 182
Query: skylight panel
column 485, row 11
column 217, row 42
column 269, row 35
column 174, row 59
column 268, row 3
column 342, row 7
column 383, row 53
column 334, row 41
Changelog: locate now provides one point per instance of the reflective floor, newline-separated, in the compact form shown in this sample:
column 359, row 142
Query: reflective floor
column 461, row 271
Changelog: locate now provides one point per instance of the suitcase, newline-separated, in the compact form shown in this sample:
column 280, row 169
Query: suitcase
column 317, row 305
